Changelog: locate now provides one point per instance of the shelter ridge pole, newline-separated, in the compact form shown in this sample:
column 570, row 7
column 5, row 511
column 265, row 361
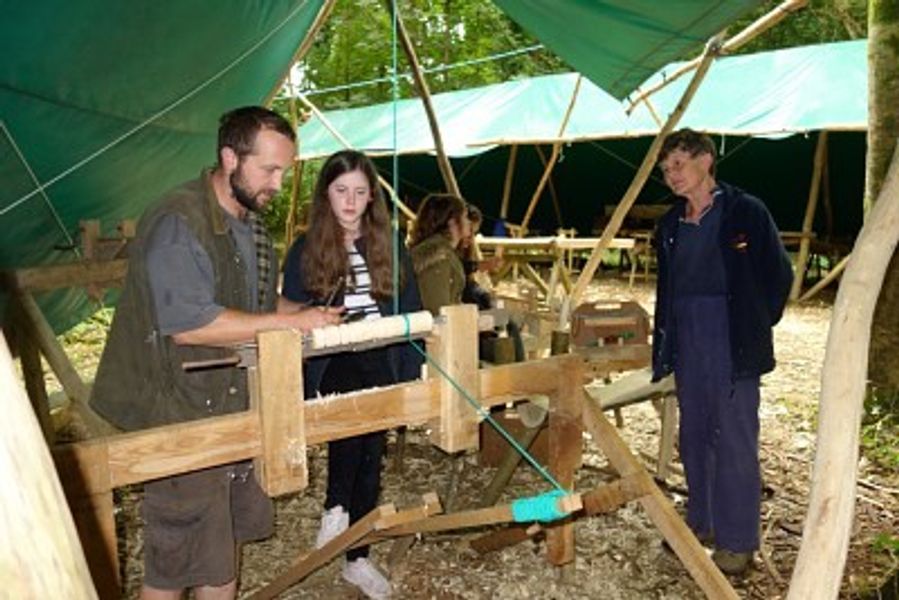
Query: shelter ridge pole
column 756, row 28
column 828, row 522
column 809, row 219
column 446, row 169
column 553, row 159
column 711, row 51
column 324, row 120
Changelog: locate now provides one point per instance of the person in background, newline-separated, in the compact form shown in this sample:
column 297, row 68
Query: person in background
column 723, row 282
column 346, row 259
column 475, row 293
column 201, row 277
column 440, row 226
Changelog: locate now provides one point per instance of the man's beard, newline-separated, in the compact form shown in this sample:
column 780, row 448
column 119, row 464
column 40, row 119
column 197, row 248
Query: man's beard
column 244, row 197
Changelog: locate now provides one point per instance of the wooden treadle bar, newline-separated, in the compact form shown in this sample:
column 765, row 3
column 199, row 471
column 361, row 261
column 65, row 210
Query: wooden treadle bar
column 308, row 563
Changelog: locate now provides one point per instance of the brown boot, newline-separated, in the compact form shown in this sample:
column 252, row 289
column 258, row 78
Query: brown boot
column 732, row 563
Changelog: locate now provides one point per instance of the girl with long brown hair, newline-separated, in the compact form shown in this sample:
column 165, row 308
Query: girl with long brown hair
column 346, row 258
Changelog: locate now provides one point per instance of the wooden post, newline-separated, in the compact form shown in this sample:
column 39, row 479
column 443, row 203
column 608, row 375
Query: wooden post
column 565, row 450
column 38, row 326
column 828, row 523
column 457, row 355
column 809, row 219
column 668, row 414
column 290, row 224
column 553, row 159
column 281, row 468
column 507, row 183
column 33, row 373
column 421, row 85
column 649, row 161
column 35, row 324
column 41, row 556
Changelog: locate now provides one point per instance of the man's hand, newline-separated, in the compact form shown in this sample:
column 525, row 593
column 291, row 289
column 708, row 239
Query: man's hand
column 313, row 318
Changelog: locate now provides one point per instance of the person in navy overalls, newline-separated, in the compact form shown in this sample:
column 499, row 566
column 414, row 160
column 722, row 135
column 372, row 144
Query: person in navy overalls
column 723, row 282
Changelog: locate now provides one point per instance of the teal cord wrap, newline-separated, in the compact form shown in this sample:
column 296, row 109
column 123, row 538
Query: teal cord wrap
column 542, row 508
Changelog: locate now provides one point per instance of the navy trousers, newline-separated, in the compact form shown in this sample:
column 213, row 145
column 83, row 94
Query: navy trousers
column 719, row 427
column 354, row 477
column 354, row 464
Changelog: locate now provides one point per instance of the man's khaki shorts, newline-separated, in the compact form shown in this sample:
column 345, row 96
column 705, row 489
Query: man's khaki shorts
column 193, row 522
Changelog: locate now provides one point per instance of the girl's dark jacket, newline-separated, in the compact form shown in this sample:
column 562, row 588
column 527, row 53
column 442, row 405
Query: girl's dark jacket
column 759, row 276
column 403, row 361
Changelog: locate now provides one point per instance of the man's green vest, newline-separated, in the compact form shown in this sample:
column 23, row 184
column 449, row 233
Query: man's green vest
column 140, row 382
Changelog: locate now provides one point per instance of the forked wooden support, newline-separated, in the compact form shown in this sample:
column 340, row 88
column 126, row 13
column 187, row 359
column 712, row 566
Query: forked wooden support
column 309, row 563
column 659, row 509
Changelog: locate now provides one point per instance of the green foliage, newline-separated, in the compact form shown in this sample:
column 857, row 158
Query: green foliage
column 887, row 543
column 819, row 22
column 356, row 45
column 880, row 427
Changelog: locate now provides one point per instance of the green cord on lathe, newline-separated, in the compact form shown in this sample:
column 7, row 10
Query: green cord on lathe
column 486, row 414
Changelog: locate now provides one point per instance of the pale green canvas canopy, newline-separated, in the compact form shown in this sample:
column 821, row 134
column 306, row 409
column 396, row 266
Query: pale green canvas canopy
column 768, row 94
column 105, row 105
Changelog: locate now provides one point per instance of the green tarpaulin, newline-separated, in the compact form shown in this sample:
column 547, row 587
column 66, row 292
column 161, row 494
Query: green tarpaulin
column 108, row 104
column 768, row 94
column 627, row 39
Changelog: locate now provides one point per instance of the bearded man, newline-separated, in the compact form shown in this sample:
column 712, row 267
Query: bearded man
column 202, row 276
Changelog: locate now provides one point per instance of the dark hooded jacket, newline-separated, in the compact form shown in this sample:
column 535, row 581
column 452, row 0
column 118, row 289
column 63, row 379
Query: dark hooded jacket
column 759, row 276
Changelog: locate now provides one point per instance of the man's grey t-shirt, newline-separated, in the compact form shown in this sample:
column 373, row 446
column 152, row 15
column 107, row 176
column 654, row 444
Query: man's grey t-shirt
column 181, row 276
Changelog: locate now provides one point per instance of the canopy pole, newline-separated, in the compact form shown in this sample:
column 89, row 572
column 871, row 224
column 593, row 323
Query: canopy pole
column 828, row 522
column 410, row 214
column 553, row 159
column 295, row 186
column 753, row 30
column 305, row 44
column 810, row 208
column 711, row 51
column 507, row 183
column 446, row 169
column 552, row 188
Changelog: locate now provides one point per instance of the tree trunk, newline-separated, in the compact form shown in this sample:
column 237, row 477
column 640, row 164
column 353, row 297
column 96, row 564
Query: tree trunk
column 883, row 132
